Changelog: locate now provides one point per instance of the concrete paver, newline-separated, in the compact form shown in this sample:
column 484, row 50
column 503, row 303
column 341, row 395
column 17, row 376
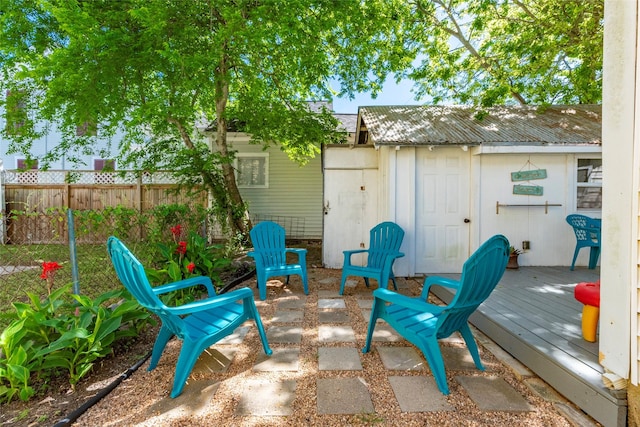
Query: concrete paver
column 288, row 316
column 333, row 316
column 401, row 358
column 336, row 334
column 418, row 394
column 339, row 359
column 265, row 397
column 343, row 396
column 282, row 359
column 493, row 394
column 284, row 334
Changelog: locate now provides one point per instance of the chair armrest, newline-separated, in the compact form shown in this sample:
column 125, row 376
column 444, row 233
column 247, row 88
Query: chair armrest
column 409, row 302
column 302, row 254
column 347, row 255
column 186, row 283
column 215, row 301
column 440, row 281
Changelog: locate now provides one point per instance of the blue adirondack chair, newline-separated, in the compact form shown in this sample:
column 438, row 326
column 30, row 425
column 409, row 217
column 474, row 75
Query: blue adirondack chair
column 423, row 324
column 199, row 324
column 270, row 255
column 587, row 231
column 385, row 240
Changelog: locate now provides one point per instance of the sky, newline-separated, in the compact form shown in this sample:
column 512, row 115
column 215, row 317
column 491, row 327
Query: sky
column 392, row 94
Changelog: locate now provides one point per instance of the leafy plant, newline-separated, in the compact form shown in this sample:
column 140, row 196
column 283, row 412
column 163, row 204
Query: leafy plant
column 182, row 259
column 513, row 251
column 57, row 333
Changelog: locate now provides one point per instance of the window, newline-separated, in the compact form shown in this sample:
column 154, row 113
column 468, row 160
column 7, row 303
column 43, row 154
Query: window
column 28, row 171
column 589, row 184
column 24, row 164
column 16, row 114
column 253, row 170
column 106, row 165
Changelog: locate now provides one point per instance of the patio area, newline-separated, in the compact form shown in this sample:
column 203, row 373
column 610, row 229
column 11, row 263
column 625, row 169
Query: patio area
column 319, row 376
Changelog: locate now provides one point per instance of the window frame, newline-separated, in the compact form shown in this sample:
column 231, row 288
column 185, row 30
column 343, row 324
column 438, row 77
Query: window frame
column 578, row 184
column 243, row 156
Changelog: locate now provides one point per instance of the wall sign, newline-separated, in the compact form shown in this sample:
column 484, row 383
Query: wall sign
column 529, row 175
column 528, row 190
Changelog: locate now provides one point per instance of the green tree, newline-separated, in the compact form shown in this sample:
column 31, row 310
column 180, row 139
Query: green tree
column 162, row 70
column 487, row 52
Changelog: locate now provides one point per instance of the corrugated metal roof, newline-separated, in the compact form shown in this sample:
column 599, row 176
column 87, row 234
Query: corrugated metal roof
column 504, row 125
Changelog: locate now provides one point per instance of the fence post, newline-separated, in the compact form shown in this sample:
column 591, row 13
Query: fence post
column 72, row 252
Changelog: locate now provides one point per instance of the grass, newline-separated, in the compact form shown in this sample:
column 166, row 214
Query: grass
column 95, row 272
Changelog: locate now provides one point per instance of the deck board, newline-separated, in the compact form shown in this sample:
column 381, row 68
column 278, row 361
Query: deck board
column 533, row 315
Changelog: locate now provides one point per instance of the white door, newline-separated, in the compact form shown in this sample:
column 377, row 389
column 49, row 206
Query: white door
column 442, row 205
column 350, row 211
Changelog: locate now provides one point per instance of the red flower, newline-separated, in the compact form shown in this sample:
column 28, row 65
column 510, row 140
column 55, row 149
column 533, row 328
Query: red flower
column 190, row 267
column 48, row 267
column 176, row 231
column 182, row 248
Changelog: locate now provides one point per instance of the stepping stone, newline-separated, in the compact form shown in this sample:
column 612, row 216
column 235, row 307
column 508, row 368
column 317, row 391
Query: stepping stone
column 336, row 334
column 457, row 358
column 339, row 359
column 385, row 333
column 328, row 281
column 282, row 359
column 328, row 293
column 261, row 397
column 236, row 337
column 284, row 334
column 401, row 358
column 493, row 394
column 193, row 401
column 349, row 283
column 343, row 396
column 366, row 313
column 291, row 303
column 418, row 394
column 331, row 303
column 288, row 316
column 333, row 316
column 365, row 303
column 213, row 360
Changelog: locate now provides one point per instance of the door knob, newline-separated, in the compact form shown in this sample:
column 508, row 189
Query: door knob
column 467, row 220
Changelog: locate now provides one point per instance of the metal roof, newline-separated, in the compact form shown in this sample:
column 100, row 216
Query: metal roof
column 463, row 125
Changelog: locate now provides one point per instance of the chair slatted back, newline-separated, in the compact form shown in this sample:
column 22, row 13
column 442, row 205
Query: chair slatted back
column 268, row 240
column 384, row 238
column 132, row 275
column 586, row 229
column 480, row 275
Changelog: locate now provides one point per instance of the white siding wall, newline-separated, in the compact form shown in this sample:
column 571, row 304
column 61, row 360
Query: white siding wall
column 294, row 193
column 552, row 241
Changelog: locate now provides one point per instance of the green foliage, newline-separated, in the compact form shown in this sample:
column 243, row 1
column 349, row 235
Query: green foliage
column 59, row 333
column 182, row 259
column 163, row 68
column 488, row 52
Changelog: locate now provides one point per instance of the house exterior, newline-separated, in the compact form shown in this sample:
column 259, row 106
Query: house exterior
column 452, row 179
column 274, row 187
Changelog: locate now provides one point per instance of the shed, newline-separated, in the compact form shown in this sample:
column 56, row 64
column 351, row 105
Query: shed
column 452, row 176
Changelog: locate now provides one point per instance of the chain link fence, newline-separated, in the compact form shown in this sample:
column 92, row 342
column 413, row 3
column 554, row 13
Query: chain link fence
column 31, row 239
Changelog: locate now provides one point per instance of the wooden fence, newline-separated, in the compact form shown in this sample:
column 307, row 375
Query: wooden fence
column 40, row 191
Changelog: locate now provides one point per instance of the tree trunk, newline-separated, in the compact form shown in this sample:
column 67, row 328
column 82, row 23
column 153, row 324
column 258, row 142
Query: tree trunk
column 232, row 202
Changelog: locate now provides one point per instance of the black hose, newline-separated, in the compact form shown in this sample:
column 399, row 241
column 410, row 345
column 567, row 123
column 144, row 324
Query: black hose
column 102, row 393
column 235, row 282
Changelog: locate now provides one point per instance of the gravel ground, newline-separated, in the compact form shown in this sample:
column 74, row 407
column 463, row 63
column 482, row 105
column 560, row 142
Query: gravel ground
column 143, row 399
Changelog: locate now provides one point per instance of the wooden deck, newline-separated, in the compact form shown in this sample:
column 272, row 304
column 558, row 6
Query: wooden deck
column 534, row 316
